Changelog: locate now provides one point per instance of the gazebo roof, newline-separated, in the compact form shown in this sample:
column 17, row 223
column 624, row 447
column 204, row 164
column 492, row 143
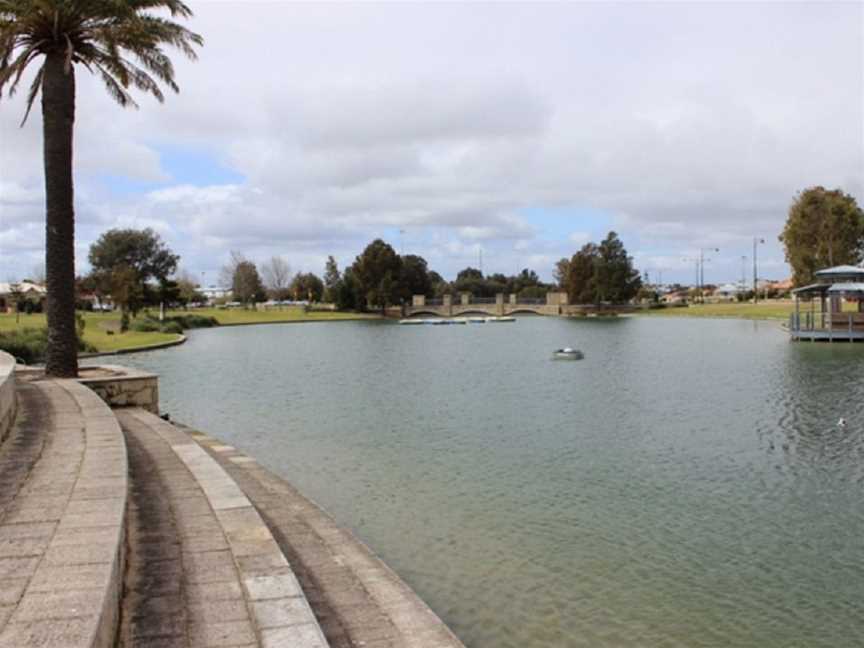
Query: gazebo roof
column 818, row 287
column 848, row 287
column 842, row 270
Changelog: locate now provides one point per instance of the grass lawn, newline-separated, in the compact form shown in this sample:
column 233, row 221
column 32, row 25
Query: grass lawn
column 95, row 332
column 772, row 310
column 229, row 316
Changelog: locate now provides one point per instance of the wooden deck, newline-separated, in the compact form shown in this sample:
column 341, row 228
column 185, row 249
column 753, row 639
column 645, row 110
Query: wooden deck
column 840, row 327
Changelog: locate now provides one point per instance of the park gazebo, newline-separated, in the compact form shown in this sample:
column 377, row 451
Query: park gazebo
column 830, row 323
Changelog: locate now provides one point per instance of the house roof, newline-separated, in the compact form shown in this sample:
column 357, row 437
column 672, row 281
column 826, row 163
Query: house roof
column 729, row 288
column 21, row 286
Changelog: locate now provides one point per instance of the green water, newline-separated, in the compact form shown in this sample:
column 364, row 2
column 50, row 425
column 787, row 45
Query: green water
column 683, row 485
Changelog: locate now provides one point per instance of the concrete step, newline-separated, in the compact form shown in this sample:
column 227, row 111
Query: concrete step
column 204, row 569
column 61, row 537
column 23, row 446
column 357, row 598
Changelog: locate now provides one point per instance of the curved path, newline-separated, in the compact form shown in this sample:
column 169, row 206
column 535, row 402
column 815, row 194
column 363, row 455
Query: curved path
column 204, row 569
column 358, row 600
column 61, row 537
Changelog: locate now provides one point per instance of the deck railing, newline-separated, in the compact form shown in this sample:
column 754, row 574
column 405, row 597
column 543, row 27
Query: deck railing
column 819, row 321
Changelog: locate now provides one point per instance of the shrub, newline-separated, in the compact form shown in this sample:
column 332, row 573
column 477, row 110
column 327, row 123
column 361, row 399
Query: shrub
column 144, row 325
column 193, row 321
column 28, row 344
column 171, row 327
column 174, row 324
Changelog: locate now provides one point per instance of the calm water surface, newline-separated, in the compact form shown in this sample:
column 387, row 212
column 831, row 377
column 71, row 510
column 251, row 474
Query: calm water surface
column 684, row 485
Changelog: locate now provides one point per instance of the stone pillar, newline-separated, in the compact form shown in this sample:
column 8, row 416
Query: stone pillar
column 464, row 298
column 512, row 299
column 499, row 303
column 447, row 305
column 556, row 299
column 418, row 300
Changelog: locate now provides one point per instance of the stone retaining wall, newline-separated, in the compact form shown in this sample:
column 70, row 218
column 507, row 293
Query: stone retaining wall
column 125, row 387
column 8, row 401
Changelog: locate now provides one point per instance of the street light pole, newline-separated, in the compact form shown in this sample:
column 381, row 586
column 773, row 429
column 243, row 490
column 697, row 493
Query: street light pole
column 695, row 260
column 756, row 240
column 702, row 252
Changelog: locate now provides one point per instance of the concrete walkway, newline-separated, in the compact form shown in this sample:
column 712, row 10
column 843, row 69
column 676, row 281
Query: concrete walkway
column 358, row 600
column 204, row 570
column 61, row 538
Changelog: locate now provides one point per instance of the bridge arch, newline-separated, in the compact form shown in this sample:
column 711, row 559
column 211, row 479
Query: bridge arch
column 415, row 313
column 525, row 310
column 473, row 311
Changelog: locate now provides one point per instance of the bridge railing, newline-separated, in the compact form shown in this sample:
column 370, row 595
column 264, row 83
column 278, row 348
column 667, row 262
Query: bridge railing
column 435, row 301
column 530, row 302
column 482, row 300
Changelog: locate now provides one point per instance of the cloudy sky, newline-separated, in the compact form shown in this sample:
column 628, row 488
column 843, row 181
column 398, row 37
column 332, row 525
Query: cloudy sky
column 518, row 130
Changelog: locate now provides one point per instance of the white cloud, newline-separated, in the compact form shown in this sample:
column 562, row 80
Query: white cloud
column 579, row 238
column 688, row 125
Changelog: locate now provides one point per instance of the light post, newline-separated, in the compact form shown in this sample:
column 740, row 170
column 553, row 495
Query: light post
column 702, row 252
column 743, row 274
column 695, row 261
column 756, row 241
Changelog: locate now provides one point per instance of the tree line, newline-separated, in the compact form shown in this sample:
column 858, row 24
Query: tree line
column 137, row 269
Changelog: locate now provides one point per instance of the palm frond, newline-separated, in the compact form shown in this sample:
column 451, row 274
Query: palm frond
column 102, row 35
column 34, row 90
column 115, row 88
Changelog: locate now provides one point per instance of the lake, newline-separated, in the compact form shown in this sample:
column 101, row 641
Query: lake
column 686, row 484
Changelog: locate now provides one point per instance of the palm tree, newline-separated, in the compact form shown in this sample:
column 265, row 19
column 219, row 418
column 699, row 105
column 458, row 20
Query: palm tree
column 99, row 35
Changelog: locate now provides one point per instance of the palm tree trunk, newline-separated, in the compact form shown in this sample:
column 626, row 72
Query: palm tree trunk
column 58, row 116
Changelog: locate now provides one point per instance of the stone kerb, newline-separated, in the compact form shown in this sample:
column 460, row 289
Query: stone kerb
column 70, row 575
column 274, row 596
column 8, row 401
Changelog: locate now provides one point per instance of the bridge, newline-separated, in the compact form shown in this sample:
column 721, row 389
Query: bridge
column 555, row 304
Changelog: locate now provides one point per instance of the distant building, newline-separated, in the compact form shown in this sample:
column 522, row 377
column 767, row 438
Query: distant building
column 675, row 297
column 12, row 292
column 728, row 291
column 775, row 287
column 212, row 293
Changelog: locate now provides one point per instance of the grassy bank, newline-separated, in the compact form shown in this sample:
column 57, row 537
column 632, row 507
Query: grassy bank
column 229, row 316
column 102, row 330
column 778, row 310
